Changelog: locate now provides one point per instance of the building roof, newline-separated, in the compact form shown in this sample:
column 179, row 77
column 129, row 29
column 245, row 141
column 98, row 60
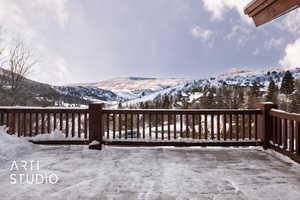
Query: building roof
column 263, row 11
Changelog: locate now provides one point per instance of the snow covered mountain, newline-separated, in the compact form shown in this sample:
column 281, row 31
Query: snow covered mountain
column 134, row 90
column 244, row 78
column 125, row 88
column 91, row 94
column 135, row 85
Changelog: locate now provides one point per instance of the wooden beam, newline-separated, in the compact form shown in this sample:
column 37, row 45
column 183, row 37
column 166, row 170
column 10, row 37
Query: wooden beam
column 263, row 11
column 254, row 5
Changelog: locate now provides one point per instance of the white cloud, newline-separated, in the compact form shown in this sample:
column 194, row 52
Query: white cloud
column 58, row 7
column 256, row 52
column 219, row 7
column 29, row 21
column 58, row 71
column 291, row 22
column 241, row 34
column 274, row 43
column 292, row 55
column 200, row 33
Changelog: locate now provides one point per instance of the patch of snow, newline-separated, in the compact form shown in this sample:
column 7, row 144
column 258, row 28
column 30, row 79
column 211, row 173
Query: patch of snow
column 54, row 136
column 11, row 146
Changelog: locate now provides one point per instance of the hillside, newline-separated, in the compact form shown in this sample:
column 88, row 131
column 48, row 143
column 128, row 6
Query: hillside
column 132, row 84
column 33, row 93
column 134, row 91
column 131, row 87
column 192, row 91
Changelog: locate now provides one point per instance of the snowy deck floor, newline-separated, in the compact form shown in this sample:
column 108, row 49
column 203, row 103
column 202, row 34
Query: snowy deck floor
column 157, row 173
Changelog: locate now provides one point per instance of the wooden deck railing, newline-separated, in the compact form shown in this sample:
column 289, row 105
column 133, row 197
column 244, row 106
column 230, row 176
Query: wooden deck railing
column 284, row 131
column 28, row 122
column 181, row 125
column 267, row 126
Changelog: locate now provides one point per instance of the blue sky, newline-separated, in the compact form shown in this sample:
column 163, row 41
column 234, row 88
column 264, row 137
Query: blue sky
column 87, row 41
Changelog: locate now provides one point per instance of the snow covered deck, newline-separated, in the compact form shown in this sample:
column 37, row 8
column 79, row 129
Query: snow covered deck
column 154, row 173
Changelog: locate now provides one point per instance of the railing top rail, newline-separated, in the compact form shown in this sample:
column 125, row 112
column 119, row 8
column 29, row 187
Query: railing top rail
column 42, row 109
column 284, row 115
column 181, row 111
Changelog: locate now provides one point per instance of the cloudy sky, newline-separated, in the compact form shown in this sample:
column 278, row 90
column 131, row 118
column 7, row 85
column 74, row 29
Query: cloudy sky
column 87, row 41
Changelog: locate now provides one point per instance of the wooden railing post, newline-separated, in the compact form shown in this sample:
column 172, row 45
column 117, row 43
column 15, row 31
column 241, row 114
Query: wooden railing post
column 95, row 125
column 297, row 133
column 266, row 124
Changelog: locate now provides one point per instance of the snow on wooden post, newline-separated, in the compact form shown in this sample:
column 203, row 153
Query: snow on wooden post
column 266, row 125
column 95, row 126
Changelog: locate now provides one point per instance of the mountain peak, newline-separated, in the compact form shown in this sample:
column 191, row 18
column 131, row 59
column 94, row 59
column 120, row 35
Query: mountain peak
column 131, row 84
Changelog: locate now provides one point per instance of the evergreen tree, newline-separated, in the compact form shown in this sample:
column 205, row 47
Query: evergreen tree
column 272, row 92
column 288, row 84
column 255, row 88
column 166, row 102
column 142, row 106
column 119, row 105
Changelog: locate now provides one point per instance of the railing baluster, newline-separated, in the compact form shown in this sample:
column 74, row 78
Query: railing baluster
column 61, row 121
column 187, row 126
column 230, row 126
column 244, row 126
column 156, row 126
column 193, row 124
column 138, row 125
column 169, row 130
column 285, row 134
column 256, row 127
column 181, row 126
column 114, row 125
column 224, row 127
column 54, row 119
column 85, row 125
column 218, row 127
column 162, row 127
column 19, row 124
column 175, row 134
column 200, row 127
column 2, row 119
column 131, row 119
column 43, row 123
column 36, row 123
column 120, row 126
column 291, row 135
column 144, row 128
column 7, row 119
column 237, row 127
column 205, row 126
column 276, row 130
column 212, row 126
column 126, row 131
column 79, row 124
column 25, row 124
column 73, row 124
column 280, row 131
column 249, row 124
column 150, row 127
column 107, row 126
column 49, row 123
column 30, row 124
column 67, row 124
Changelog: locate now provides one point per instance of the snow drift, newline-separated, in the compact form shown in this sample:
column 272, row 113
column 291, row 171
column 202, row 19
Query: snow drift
column 12, row 146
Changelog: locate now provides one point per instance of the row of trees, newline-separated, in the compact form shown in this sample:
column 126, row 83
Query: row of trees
column 286, row 95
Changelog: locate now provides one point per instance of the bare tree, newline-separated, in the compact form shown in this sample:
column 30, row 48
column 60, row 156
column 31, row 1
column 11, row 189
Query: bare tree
column 19, row 63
